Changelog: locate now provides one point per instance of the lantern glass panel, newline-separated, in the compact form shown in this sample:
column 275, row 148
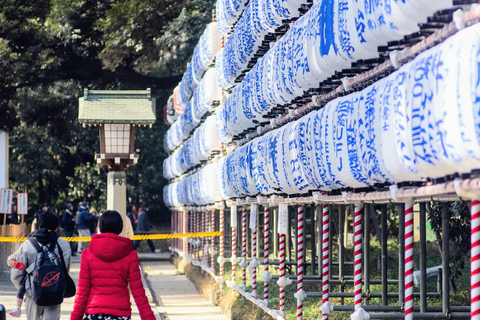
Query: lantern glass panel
column 117, row 138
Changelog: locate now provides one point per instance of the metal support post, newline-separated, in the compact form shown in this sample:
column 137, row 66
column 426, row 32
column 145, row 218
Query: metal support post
column 423, row 257
column 384, row 256
column 445, row 257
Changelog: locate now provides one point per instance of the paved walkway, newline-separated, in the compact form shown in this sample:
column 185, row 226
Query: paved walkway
column 175, row 294
column 177, row 297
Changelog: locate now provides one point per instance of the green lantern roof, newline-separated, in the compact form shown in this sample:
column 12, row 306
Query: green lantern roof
column 117, row 106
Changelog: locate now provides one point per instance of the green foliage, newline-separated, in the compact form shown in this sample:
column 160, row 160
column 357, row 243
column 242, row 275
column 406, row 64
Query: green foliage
column 459, row 224
column 89, row 183
column 50, row 51
column 45, row 147
column 176, row 44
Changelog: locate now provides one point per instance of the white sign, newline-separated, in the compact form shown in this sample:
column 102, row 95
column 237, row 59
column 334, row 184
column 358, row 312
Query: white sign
column 282, row 218
column 22, row 203
column 253, row 216
column 6, row 200
column 233, row 216
column 3, row 159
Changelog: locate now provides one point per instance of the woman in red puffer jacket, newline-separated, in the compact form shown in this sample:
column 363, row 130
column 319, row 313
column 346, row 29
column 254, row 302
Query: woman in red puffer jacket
column 108, row 267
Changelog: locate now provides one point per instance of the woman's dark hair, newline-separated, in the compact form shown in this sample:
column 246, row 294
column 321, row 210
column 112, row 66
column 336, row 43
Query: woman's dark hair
column 48, row 220
column 110, row 222
column 129, row 207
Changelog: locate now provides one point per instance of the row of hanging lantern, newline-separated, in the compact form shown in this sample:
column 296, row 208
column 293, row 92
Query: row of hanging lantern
column 328, row 38
column 402, row 128
column 419, row 122
column 203, row 101
column 203, row 144
column 203, row 55
column 200, row 188
column 260, row 18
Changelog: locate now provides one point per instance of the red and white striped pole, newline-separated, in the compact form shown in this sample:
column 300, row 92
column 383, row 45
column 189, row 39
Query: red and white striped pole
column 409, row 259
column 203, row 229
column 177, row 228
column 184, row 229
column 282, row 230
column 254, row 254
column 266, row 244
column 208, row 228
column 221, row 262
column 194, row 239
column 325, row 258
column 190, row 229
column 199, row 240
column 172, row 212
column 300, row 295
column 244, row 248
column 234, row 246
column 212, row 242
column 281, row 244
column 475, row 259
column 177, row 213
column 358, row 255
column 178, row 218
column 180, row 228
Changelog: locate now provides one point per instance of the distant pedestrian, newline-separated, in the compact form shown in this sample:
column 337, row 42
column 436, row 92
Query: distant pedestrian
column 109, row 268
column 68, row 223
column 93, row 222
column 43, row 207
column 27, row 253
column 83, row 225
column 131, row 215
column 14, row 215
column 143, row 225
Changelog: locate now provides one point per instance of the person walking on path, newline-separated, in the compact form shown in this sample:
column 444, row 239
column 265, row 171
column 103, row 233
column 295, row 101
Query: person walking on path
column 13, row 262
column 43, row 207
column 131, row 215
column 83, row 225
column 93, row 222
column 68, row 223
column 109, row 267
column 143, row 225
column 44, row 236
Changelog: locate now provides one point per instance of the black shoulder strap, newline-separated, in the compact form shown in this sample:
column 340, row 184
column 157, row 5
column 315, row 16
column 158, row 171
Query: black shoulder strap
column 35, row 244
column 61, row 257
column 52, row 245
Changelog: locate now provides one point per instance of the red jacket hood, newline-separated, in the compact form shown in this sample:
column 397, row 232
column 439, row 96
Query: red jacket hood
column 110, row 247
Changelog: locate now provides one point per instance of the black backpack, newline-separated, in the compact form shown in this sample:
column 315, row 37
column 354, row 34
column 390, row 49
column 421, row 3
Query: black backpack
column 48, row 275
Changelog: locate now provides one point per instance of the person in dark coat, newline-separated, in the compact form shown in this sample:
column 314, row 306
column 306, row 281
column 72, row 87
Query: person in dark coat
column 43, row 208
column 83, row 224
column 93, row 222
column 143, row 225
column 131, row 215
column 68, row 223
column 109, row 268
